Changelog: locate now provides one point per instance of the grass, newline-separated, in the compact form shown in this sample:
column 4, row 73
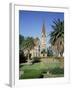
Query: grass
column 37, row 70
column 31, row 73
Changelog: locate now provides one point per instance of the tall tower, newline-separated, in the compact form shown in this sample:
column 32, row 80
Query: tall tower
column 43, row 38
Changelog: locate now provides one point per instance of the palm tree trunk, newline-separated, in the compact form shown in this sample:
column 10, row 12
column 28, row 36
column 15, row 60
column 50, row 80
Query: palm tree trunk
column 28, row 56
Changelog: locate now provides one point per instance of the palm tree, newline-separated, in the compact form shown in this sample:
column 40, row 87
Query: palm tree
column 57, row 36
column 28, row 44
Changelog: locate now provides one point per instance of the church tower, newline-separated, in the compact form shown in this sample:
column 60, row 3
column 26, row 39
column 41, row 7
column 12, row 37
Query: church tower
column 43, row 38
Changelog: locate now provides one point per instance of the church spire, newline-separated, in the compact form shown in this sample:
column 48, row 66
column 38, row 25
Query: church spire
column 43, row 38
column 43, row 30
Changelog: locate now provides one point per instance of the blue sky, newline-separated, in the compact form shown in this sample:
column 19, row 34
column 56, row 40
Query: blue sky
column 30, row 22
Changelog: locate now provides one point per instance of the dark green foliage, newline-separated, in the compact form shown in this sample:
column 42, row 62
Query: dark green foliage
column 58, row 31
column 44, row 71
column 56, row 71
column 20, row 66
column 28, row 43
column 22, row 57
column 21, row 38
column 49, row 52
column 57, row 36
column 35, row 60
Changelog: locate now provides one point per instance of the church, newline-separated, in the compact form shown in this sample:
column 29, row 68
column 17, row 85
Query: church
column 39, row 49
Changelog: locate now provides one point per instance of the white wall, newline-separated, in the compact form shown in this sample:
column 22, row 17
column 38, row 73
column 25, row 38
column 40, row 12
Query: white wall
column 4, row 42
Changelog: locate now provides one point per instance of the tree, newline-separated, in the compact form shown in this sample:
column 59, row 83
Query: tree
column 57, row 36
column 28, row 44
column 22, row 57
column 21, row 40
column 49, row 51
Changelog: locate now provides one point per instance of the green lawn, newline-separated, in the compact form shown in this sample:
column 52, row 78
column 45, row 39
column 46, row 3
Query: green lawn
column 37, row 70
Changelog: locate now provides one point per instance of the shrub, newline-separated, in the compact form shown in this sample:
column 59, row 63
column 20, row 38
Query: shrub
column 57, row 71
column 36, row 60
column 22, row 57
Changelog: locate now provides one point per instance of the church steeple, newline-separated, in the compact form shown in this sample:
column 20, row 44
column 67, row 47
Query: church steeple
column 43, row 30
column 43, row 37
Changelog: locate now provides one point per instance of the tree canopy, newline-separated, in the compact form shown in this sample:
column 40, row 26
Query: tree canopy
column 57, row 35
